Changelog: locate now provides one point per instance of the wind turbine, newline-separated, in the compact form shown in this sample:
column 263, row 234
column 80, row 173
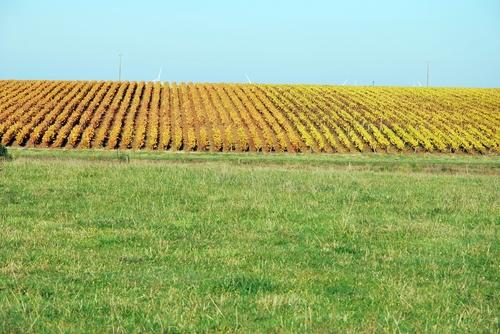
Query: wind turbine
column 120, row 68
column 248, row 79
column 159, row 75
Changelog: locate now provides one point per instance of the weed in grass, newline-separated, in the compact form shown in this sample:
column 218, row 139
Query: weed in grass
column 123, row 157
column 244, row 285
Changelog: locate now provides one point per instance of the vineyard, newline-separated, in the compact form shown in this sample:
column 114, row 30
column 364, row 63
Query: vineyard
column 246, row 117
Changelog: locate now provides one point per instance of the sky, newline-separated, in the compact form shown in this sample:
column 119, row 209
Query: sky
column 355, row 42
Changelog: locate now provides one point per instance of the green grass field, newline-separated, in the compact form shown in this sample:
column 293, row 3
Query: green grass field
column 179, row 242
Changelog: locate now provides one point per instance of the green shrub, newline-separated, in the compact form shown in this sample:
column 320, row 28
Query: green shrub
column 4, row 153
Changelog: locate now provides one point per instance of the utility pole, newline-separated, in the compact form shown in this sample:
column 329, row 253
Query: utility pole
column 428, row 68
column 120, row 68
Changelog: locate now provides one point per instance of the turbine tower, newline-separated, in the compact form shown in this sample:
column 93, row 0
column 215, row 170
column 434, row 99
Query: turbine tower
column 428, row 70
column 159, row 75
column 120, row 68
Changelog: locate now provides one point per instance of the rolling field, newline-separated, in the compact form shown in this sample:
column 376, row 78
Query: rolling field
column 205, row 242
column 240, row 117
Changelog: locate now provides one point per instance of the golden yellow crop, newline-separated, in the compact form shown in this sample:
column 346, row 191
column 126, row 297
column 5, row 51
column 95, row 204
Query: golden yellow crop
column 246, row 117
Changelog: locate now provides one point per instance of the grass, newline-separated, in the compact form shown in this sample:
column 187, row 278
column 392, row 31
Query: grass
column 248, row 243
column 400, row 162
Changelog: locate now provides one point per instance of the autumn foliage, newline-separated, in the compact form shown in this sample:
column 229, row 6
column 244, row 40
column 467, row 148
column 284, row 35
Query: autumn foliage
column 247, row 117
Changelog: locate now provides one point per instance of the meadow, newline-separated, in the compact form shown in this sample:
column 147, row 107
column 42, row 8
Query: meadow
column 100, row 241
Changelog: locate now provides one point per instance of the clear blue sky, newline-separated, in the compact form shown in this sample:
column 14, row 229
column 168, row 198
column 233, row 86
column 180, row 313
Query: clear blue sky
column 273, row 41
